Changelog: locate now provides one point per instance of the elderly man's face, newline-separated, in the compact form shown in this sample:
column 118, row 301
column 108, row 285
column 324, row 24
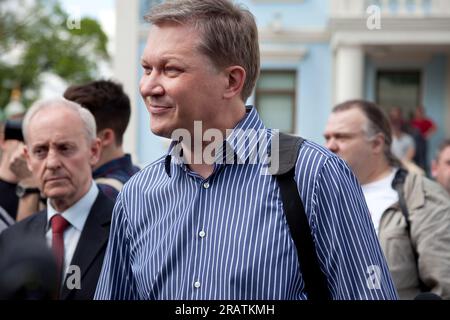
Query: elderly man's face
column 441, row 169
column 60, row 156
column 345, row 136
column 179, row 85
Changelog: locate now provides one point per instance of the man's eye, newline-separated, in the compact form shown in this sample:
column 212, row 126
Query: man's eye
column 39, row 152
column 65, row 149
column 147, row 70
column 172, row 70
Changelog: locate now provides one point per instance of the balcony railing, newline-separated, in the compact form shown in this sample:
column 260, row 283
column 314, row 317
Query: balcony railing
column 391, row 8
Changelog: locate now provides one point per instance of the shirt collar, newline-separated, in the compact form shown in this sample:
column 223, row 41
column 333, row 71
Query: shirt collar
column 241, row 142
column 77, row 214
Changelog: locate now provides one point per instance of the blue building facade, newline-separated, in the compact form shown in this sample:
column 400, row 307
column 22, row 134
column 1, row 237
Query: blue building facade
column 316, row 53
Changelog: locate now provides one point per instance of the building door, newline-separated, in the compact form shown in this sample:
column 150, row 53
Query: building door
column 399, row 89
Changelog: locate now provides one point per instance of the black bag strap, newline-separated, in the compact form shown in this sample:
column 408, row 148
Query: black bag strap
column 398, row 185
column 313, row 277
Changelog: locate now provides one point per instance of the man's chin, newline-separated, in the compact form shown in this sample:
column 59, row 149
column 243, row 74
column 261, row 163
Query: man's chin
column 56, row 193
column 161, row 131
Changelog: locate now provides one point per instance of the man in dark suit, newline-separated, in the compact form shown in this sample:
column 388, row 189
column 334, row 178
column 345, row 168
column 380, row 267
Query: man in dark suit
column 61, row 149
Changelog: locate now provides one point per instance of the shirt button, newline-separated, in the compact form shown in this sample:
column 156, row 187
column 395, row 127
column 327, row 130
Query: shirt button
column 197, row 284
column 202, row 234
column 206, row 185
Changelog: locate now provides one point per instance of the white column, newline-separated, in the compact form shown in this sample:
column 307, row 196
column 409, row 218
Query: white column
column 349, row 73
column 126, row 64
column 447, row 118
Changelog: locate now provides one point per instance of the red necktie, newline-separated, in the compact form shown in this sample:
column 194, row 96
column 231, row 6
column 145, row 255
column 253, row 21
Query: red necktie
column 59, row 224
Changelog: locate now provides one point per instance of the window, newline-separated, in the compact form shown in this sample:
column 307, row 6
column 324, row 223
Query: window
column 275, row 99
column 399, row 89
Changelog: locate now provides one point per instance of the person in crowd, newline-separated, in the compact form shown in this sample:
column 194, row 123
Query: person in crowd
column 440, row 167
column 403, row 145
column 192, row 226
column 111, row 108
column 424, row 129
column 61, row 149
column 411, row 213
column 8, row 178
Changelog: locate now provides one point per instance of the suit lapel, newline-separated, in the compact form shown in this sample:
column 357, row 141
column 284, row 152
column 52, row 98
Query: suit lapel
column 38, row 224
column 94, row 237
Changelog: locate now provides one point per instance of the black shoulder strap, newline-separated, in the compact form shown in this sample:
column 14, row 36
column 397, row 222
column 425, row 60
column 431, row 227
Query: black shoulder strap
column 315, row 281
column 398, row 185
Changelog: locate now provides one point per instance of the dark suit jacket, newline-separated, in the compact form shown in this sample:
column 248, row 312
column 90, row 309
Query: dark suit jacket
column 89, row 252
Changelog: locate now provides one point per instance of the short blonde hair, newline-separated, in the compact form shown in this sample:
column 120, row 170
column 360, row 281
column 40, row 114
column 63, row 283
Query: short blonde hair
column 228, row 31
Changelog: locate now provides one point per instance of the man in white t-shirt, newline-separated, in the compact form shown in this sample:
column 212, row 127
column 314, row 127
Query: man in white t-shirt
column 415, row 236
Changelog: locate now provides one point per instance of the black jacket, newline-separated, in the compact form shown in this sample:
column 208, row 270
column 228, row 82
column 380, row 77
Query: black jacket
column 90, row 249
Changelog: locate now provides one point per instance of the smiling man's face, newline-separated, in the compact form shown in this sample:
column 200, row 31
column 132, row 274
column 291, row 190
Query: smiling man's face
column 179, row 85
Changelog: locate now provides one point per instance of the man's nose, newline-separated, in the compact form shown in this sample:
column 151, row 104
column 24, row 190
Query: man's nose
column 151, row 85
column 53, row 160
column 332, row 145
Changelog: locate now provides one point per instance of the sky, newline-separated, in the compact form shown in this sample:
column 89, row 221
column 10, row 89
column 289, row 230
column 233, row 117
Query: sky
column 102, row 11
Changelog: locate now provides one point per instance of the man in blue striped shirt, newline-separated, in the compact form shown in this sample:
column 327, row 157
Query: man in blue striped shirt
column 192, row 226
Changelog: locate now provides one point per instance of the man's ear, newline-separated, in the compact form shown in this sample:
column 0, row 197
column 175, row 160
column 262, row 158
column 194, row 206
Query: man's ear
column 378, row 143
column 235, row 81
column 96, row 147
column 107, row 137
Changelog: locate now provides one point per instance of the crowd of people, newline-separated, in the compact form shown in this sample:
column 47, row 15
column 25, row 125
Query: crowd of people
column 83, row 222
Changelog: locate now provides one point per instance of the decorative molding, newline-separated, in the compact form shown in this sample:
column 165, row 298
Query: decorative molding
column 391, row 8
column 287, row 54
column 423, row 38
column 294, row 35
column 392, row 24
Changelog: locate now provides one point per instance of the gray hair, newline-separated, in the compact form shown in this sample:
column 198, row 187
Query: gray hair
column 85, row 115
column 228, row 31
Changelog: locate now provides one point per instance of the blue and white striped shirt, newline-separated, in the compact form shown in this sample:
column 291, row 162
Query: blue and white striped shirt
column 176, row 235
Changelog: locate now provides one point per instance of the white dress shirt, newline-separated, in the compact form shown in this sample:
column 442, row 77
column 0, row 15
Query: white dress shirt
column 76, row 215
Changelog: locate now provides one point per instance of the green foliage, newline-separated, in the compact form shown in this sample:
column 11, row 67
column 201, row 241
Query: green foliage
column 39, row 32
